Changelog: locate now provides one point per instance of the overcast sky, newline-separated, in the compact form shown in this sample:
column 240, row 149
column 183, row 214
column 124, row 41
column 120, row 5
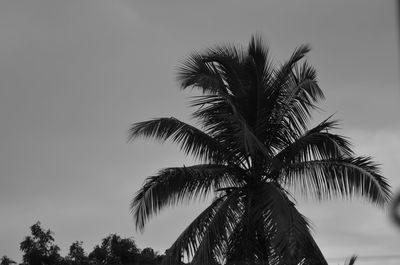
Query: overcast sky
column 76, row 74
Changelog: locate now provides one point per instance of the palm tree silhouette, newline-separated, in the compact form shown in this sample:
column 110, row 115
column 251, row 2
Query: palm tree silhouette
column 254, row 149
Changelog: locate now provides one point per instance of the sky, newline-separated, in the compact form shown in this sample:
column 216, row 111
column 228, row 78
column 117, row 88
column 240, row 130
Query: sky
column 74, row 75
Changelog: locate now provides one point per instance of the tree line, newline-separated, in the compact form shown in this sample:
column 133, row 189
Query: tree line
column 39, row 249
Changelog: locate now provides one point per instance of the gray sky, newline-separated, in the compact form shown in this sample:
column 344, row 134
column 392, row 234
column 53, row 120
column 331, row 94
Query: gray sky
column 75, row 74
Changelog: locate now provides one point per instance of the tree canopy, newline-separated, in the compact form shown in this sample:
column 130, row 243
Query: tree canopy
column 39, row 249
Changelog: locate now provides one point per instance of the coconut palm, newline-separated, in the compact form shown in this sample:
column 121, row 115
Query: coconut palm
column 254, row 150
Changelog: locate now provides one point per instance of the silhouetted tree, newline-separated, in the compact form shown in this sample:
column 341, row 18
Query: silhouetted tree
column 254, row 146
column 76, row 255
column 148, row 253
column 147, row 256
column 39, row 248
column 98, row 255
column 6, row 261
column 115, row 250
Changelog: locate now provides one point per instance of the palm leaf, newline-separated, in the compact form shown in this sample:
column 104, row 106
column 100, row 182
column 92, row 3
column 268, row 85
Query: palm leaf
column 215, row 71
column 316, row 143
column 173, row 185
column 290, row 231
column 213, row 243
column 226, row 124
column 192, row 140
column 248, row 243
column 338, row 177
column 188, row 242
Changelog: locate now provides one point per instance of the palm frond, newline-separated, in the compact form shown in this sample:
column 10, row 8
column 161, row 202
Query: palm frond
column 283, row 75
column 188, row 242
column 287, row 102
column 260, row 73
column 192, row 140
column 236, row 245
column 224, row 122
column 216, row 71
column 292, row 111
column 212, row 245
column 290, row 231
column 316, row 143
column 339, row 177
column 174, row 185
column 259, row 53
column 286, row 69
column 301, row 94
column 248, row 243
column 197, row 72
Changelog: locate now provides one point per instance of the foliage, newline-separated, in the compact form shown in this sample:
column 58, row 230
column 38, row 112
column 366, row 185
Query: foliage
column 115, row 250
column 39, row 248
column 254, row 148
column 149, row 256
column 76, row 255
column 6, row 261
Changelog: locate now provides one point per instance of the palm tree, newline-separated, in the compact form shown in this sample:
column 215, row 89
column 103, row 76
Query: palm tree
column 254, row 151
